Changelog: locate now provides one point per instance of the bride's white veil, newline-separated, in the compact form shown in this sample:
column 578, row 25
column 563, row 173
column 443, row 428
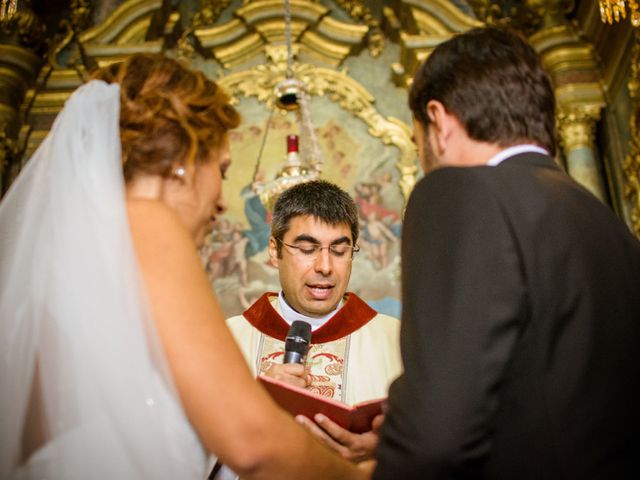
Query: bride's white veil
column 84, row 390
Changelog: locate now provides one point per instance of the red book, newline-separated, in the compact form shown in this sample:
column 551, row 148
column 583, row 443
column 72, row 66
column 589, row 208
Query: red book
column 298, row 401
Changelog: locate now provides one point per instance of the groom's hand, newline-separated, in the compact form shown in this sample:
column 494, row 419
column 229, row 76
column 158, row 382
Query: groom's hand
column 352, row 446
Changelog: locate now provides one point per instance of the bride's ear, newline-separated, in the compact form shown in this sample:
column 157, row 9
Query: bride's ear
column 181, row 176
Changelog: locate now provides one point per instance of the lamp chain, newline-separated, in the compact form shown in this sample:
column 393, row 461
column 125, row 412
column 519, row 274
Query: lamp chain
column 287, row 38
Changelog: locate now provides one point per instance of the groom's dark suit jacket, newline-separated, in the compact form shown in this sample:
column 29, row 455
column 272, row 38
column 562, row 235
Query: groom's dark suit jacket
column 520, row 331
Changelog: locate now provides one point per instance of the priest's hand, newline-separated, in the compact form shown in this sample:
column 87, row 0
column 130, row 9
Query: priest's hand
column 291, row 373
column 352, row 446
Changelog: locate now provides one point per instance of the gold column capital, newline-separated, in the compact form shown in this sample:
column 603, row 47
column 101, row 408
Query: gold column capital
column 576, row 125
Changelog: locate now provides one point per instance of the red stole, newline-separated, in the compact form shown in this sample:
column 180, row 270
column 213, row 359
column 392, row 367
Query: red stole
column 353, row 315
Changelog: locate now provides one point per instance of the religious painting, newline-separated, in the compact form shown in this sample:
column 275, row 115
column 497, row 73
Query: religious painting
column 236, row 254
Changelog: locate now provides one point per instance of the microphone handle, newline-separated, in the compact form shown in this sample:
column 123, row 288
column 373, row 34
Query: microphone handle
column 293, row 357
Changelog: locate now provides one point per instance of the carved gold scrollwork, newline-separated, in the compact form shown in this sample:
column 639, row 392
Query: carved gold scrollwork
column 359, row 12
column 22, row 28
column 209, row 12
column 425, row 25
column 8, row 8
column 321, row 36
column 526, row 16
column 7, row 150
column 631, row 164
column 76, row 23
column 206, row 16
column 260, row 82
column 550, row 12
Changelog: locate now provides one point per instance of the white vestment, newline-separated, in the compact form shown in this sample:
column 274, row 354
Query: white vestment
column 354, row 356
column 368, row 346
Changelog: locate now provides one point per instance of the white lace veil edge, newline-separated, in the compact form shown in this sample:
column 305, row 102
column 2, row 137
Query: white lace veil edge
column 76, row 336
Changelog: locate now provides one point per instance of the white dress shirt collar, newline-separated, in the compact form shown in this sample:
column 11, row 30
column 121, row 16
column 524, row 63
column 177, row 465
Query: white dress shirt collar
column 515, row 150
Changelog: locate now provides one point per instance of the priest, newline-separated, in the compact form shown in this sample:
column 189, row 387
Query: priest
column 354, row 353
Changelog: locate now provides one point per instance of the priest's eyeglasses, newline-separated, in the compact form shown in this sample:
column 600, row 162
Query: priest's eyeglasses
column 309, row 252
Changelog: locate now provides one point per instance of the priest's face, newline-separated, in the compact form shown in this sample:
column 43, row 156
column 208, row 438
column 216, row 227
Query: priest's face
column 314, row 264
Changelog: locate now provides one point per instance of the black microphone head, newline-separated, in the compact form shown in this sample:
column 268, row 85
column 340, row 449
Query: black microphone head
column 296, row 345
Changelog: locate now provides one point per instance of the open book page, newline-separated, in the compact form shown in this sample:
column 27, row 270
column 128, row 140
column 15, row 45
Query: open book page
column 298, row 401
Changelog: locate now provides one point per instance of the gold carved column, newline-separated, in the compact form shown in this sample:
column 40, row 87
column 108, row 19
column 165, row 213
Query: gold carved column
column 21, row 34
column 575, row 74
column 576, row 127
column 631, row 165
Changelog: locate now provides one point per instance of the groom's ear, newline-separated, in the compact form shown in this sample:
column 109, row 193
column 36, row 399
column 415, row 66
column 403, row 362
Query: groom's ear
column 445, row 126
column 440, row 125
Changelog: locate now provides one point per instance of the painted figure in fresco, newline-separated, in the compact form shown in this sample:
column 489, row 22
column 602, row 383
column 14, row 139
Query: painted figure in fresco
column 380, row 225
column 116, row 362
column 355, row 351
column 230, row 247
column 217, row 250
column 226, row 254
column 520, row 291
column 378, row 236
column 239, row 241
column 258, row 218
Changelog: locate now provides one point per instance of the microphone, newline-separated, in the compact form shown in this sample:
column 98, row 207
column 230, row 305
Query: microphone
column 296, row 345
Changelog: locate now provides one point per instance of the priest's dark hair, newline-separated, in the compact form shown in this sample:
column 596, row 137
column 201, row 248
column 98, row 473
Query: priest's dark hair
column 318, row 198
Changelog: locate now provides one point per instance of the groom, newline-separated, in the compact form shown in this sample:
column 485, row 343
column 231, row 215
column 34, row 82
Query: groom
column 521, row 290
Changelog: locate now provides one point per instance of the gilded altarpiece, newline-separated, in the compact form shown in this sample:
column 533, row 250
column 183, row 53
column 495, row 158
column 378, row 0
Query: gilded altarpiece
column 357, row 90
column 236, row 257
column 365, row 145
column 356, row 67
column 369, row 155
column 358, row 113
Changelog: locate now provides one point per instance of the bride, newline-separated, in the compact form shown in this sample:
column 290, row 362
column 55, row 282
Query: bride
column 115, row 361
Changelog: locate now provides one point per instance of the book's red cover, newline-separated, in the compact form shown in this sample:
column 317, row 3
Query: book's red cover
column 298, row 401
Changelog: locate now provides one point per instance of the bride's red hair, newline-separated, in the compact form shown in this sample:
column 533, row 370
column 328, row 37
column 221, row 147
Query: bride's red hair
column 169, row 114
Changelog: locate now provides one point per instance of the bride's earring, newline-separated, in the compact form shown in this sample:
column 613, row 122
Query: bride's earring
column 179, row 172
